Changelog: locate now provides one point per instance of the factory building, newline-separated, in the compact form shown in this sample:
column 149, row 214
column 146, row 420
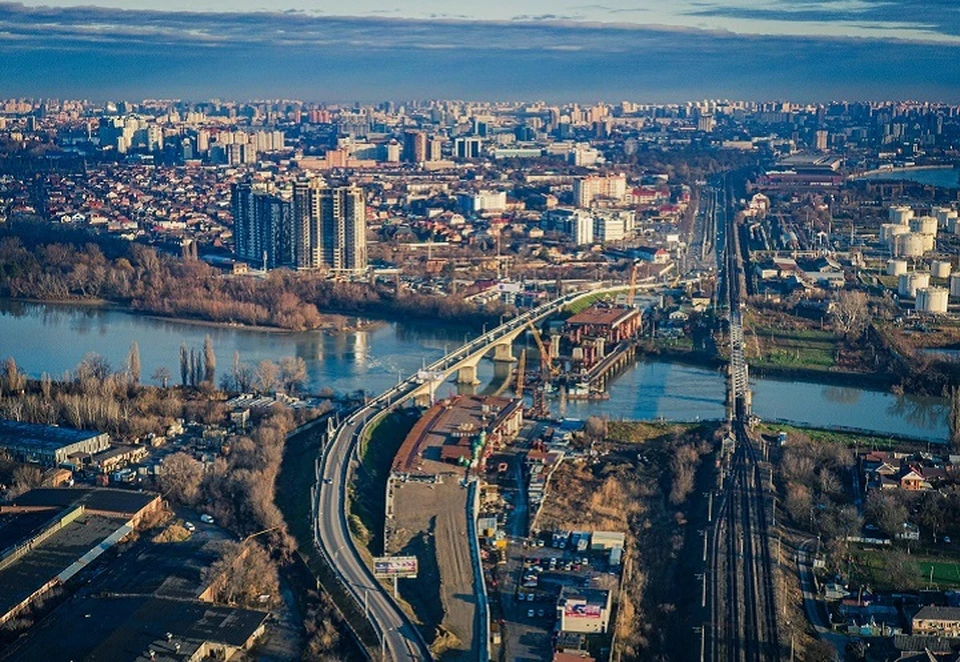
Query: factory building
column 48, row 445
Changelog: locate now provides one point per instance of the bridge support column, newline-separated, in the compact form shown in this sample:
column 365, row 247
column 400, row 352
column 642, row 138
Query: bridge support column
column 467, row 374
column 424, row 400
column 504, row 353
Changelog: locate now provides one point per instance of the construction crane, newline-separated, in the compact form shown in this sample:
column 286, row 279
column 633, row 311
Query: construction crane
column 521, row 368
column 547, row 373
column 632, row 292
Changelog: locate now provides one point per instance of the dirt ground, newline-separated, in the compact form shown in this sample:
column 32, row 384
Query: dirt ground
column 430, row 522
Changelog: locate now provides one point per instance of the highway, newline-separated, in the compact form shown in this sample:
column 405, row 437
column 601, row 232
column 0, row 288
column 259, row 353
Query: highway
column 742, row 600
column 399, row 639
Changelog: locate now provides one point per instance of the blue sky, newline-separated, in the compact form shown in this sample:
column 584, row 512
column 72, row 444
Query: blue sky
column 555, row 50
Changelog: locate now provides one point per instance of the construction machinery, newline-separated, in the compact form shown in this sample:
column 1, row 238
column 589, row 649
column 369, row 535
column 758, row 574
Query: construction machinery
column 521, row 368
column 632, row 292
column 547, row 372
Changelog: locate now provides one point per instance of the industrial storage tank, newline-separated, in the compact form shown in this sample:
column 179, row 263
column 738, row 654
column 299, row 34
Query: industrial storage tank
column 889, row 231
column 929, row 242
column 940, row 269
column 896, row 267
column 900, row 215
column 955, row 286
column 924, row 225
column 944, row 215
column 931, row 300
column 909, row 245
column 908, row 284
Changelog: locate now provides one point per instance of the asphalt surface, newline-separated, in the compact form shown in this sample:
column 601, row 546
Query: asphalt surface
column 399, row 638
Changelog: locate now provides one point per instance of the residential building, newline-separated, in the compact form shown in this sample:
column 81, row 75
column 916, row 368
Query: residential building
column 414, row 147
column 330, row 227
column 472, row 203
column 610, row 187
column 262, row 224
column 940, row 621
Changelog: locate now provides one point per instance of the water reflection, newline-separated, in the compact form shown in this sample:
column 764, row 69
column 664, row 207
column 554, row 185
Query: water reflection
column 53, row 339
column 841, row 394
column 924, row 413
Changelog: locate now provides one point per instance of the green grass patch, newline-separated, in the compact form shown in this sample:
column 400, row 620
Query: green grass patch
column 810, row 349
column 850, row 439
column 870, row 566
column 582, row 304
column 369, row 488
column 945, row 574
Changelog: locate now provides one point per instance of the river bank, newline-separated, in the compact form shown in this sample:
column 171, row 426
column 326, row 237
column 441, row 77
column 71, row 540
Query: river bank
column 333, row 327
column 875, row 381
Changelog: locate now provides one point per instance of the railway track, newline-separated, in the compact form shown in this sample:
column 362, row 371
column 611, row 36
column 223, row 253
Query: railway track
column 742, row 598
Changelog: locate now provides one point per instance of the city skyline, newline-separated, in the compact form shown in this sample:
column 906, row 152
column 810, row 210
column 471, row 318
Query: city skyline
column 104, row 53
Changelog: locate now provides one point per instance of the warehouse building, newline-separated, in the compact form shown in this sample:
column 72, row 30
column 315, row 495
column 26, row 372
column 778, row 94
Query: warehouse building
column 48, row 445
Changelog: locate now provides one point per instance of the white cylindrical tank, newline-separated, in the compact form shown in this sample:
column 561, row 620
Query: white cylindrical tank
column 943, row 215
column 955, row 286
column 931, row 300
column 896, row 267
column 900, row 215
column 929, row 242
column 889, row 232
column 953, row 224
column 924, row 225
column 908, row 284
column 940, row 269
column 909, row 245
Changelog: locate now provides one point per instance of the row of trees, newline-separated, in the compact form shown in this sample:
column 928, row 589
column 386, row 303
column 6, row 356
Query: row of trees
column 239, row 487
column 43, row 262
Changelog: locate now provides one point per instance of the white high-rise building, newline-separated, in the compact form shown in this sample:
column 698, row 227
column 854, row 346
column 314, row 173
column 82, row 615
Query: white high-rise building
column 610, row 187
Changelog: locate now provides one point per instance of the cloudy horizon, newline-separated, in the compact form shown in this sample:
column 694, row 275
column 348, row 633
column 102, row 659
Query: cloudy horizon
column 126, row 51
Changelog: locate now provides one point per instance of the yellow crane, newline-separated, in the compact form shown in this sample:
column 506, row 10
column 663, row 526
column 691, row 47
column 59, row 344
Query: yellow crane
column 632, row 292
column 547, row 373
column 521, row 367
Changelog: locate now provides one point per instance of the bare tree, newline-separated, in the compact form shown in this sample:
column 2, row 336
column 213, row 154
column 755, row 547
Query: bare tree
column 25, row 478
column 887, row 511
column 266, row 376
column 243, row 573
column 181, row 477
column 850, row 313
column 133, row 362
column 162, row 375
column 13, row 381
column 209, row 361
column 293, row 373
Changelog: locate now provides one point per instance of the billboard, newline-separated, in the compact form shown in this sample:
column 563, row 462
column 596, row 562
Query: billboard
column 390, row 567
column 582, row 610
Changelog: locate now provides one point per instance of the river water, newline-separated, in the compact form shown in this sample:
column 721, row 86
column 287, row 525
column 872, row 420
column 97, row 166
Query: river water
column 941, row 177
column 54, row 338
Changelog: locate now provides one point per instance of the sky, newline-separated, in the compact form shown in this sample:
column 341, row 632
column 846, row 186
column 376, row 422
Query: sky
column 555, row 50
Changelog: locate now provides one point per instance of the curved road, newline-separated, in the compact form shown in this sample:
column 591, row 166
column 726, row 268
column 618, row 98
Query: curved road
column 400, row 640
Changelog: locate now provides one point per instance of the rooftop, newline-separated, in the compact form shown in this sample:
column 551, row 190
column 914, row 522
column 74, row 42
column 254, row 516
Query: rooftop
column 446, row 430
column 127, row 628
column 602, row 316
column 103, row 500
column 42, row 436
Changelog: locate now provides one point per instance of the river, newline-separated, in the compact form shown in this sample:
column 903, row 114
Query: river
column 941, row 177
column 54, row 338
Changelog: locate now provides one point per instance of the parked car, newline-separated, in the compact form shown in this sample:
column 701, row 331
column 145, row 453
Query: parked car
column 529, row 613
column 206, row 519
column 189, row 526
